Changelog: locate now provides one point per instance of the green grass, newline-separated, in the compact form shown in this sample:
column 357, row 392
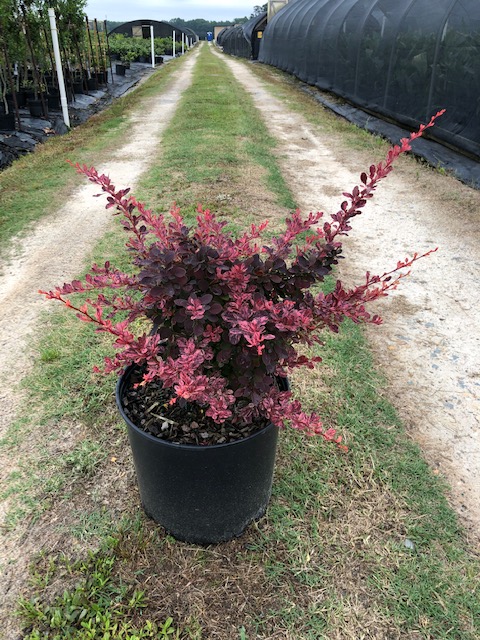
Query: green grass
column 431, row 589
column 354, row 545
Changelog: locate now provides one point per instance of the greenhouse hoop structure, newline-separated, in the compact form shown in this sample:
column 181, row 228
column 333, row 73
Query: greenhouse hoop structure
column 243, row 40
column 141, row 29
column 400, row 59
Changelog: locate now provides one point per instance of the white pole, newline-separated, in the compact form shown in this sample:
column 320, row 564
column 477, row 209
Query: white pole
column 173, row 43
column 58, row 65
column 152, row 40
column 183, row 43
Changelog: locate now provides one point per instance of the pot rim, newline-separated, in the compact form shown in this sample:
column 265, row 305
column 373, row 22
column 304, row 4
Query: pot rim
column 176, row 445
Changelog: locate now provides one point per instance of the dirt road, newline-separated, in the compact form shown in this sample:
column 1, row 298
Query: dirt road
column 429, row 344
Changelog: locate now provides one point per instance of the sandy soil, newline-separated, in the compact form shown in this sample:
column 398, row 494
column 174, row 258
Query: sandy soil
column 55, row 252
column 429, row 344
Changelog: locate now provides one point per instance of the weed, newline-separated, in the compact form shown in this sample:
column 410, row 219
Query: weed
column 84, row 459
column 49, row 355
column 90, row 524
column 100, row 605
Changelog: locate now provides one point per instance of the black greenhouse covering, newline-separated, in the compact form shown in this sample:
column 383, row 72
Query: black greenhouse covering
column 220, row 36
column 141, row 28
column 190, row 33
column 243, row 40
column 403, row 59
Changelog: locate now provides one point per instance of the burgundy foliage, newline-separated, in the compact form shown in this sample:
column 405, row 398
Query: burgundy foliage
column 225, row 314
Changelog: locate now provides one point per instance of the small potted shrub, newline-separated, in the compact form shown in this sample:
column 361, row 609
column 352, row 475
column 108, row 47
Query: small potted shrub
column 120, row 68
column 206, row 330
column 125, row 61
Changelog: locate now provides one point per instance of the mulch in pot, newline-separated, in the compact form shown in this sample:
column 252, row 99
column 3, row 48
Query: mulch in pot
column 149, row 408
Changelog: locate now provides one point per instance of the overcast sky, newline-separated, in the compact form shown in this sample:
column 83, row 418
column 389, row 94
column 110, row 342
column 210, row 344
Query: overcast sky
column 167, row 9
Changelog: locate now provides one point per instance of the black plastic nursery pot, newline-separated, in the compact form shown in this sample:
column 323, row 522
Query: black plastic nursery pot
column 7, row 121
column 20, row 98
column 35, row 107
column 202, row 494
column 78, row 87
column 120, row 69
column 53, row 101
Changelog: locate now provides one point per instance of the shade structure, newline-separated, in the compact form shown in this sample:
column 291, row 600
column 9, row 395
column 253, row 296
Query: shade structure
column 243, row 40
column 401, row 59
column 141, row 29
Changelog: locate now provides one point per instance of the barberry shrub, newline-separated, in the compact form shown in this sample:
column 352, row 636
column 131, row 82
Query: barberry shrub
column 225, row 314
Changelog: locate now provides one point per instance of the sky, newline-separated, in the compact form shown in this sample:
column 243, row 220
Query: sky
column 165, row 10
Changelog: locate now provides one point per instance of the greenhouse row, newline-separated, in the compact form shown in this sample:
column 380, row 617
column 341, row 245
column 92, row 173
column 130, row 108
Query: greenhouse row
column 402, row 60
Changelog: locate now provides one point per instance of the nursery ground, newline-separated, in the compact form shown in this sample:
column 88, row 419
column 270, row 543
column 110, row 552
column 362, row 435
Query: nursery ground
column 429, row 344
column 348, row 548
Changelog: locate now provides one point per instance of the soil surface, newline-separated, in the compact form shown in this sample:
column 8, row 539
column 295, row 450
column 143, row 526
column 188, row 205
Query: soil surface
column 429, row 344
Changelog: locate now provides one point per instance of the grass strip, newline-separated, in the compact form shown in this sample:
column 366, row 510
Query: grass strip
column 354, row 545
column 214, row 134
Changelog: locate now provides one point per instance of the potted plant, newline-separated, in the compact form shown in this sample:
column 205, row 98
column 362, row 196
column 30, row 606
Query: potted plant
column 120, row 68
column 78, row 87
column 206, row 329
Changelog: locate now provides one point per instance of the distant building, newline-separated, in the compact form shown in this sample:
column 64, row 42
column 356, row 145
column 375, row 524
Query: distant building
column 217, row 30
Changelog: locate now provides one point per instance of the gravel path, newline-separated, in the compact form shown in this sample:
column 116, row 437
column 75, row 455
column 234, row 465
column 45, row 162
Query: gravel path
column 429, row 344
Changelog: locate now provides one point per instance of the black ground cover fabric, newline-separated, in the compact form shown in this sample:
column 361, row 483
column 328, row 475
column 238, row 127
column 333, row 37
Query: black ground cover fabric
column 465, row 169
